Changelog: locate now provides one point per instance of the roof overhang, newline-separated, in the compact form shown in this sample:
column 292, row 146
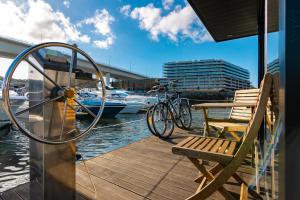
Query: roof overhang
column 232, row 19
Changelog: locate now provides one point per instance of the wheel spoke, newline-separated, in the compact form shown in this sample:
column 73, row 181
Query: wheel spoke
column 64, row 119
column 85, row 108
column 40, row 71
column 37, row 105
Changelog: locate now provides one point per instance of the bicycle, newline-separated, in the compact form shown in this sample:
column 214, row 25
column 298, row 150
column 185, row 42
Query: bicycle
column 169, row 111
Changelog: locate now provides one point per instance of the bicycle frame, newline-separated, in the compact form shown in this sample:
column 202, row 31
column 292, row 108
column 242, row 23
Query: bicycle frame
column 175, row 111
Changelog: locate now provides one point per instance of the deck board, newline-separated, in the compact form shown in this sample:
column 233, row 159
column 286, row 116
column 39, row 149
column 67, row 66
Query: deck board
column 146, row 169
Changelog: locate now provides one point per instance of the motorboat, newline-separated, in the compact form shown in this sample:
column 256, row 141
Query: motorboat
column 17, row 102
column 132, row 107
column 144, row 101
column 92, row 102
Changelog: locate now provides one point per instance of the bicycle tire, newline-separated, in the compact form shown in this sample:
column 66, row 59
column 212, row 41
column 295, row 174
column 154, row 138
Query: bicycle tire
column 149, row 120
column 189, row 114
column 167, row 120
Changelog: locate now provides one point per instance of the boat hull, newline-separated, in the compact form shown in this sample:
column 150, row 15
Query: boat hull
column 111, row 109
column 132, row 108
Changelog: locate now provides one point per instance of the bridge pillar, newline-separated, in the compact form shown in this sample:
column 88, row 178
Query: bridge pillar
column 107, row 79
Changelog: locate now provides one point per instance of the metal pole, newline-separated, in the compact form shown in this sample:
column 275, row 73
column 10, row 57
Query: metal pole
column 262, row 59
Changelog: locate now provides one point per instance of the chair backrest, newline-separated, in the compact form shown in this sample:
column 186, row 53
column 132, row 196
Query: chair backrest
column 244, row 96
column 250, row 135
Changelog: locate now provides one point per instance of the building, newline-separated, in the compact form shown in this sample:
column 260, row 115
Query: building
column 273, row 67
column 142, row 85
column 206, row 75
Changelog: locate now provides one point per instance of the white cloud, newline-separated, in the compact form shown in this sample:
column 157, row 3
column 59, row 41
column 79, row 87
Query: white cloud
column 35, row 21
column 125, row 10
column 148, row 17
column 182, row 22
column 101, row 21
column 167, row 4
column 104, row 44
column 67, row 3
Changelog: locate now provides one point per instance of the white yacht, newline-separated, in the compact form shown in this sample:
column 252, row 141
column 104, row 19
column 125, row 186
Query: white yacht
column 144, row 101
column 16, row 102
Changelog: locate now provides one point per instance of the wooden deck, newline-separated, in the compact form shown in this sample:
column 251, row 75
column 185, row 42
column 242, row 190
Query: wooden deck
column 146, row 169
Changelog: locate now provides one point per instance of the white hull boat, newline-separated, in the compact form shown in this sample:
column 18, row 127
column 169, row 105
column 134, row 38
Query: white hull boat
column 132, row 107
column 16, row 103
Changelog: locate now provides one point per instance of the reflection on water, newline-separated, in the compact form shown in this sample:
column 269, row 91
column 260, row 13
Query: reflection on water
column 14, row 160
column 110, row 134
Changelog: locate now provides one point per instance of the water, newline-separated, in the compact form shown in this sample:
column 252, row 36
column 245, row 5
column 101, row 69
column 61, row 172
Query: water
column 108, row 135
column 112, row 134
column 14, row 160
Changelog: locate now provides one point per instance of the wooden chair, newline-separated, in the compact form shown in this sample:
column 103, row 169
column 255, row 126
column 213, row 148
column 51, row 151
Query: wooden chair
column 239, row 115
column 228, row 154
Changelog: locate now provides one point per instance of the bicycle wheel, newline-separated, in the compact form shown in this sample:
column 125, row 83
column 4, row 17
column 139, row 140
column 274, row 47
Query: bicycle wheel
column 162, row 121
column 149, row 116
column 176, row 114
column 185, row 115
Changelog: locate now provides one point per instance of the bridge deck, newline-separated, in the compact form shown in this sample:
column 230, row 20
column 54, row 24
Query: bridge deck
column 146, row 169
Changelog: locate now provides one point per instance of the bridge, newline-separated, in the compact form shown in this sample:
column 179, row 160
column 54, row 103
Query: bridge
column 10, row 48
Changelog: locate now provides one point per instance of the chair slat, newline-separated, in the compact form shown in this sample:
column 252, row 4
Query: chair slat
column 191, row 142
column 206, row 141
column 231, row 148
column 223, row 147
column 197, row 143
column 216, row 146
column 209, row 146
column 183, row 142
column 248, row 91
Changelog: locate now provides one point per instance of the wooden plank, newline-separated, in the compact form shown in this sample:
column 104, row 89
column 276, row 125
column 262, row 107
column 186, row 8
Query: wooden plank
column 210, row 144
column 183, row 142
column 240, row 117
column 196, row 144
column 10, row 195
column 223, row 147
column 180, row 172
column 248, row 91
column 223, row 105
column 204, row 143
column 133, row 180
column 191, row 142
column 107, row 190
column 23, row 191
column 231, row 148
column 216, row 146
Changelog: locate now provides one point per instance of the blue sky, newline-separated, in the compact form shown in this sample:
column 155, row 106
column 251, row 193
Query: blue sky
column 136, row 35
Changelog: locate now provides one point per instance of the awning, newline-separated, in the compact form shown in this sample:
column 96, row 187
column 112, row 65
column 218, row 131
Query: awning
column 231, row 19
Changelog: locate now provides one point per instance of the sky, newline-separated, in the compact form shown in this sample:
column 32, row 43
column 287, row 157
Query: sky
column 139, row 36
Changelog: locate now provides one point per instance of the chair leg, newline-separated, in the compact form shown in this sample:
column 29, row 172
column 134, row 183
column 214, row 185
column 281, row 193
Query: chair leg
column 241, row 181
column 202, row 183
column 205, row 114
column 209, row 176
column 214, row 170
